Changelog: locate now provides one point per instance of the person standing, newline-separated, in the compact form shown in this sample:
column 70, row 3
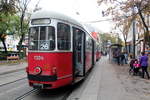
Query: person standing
column 131, row 62
column 122, row 58
column 117, row 54
column 126, row 58
column 144, row 64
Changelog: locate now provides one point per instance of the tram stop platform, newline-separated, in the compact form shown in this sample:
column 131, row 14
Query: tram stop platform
column 103, row 83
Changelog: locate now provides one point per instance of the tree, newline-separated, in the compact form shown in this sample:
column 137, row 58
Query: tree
column 124, row 27
column 129, row 9
column 8, row 26
column 24, row 18
column 109, row 37
column 22, row 8
column 7, row 9
column 143, row 7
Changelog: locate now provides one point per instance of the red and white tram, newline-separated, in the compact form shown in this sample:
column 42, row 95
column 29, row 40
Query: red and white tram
column 61, row 51
column 97, row 45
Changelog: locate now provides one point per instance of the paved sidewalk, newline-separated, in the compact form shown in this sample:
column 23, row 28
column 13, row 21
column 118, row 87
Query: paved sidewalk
column 12, row 67
column 102, row 84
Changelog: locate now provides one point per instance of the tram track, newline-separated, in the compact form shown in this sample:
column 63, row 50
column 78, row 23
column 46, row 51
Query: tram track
column 30, row 93
column 12, row 81
column 26, row 94
column 12, row 71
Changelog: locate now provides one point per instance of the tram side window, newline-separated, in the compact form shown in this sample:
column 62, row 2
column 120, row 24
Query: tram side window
column 88, row 43
column 78, row 37
column 78, row 41
column 63, row 36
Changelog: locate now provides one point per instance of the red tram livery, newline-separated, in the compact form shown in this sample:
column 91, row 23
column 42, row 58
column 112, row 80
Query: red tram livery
column 61, row 50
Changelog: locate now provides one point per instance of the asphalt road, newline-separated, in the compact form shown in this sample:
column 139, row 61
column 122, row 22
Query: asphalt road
column 107, row 81
column 14, row 86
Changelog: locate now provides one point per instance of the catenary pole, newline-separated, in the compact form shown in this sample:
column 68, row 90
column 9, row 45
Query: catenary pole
column 134, row 37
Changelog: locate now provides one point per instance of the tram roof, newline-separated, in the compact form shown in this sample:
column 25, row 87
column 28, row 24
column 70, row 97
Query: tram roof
column 54, row 15
column 91, row 30
column 60, row 16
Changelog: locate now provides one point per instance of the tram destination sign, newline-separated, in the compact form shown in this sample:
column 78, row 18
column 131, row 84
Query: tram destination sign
column 40, row 21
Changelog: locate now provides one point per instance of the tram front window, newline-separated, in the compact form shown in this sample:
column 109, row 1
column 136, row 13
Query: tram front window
column 33, row 41
column 42, row 38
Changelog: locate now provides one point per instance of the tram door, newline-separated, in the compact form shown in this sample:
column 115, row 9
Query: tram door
column 79, row 37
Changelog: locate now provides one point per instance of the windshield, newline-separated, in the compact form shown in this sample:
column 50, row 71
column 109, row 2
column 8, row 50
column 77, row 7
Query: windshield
column 42, row 38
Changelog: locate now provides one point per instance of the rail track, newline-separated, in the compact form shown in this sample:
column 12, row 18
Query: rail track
column 26, row 94
column 63, row 97
column 13, row 81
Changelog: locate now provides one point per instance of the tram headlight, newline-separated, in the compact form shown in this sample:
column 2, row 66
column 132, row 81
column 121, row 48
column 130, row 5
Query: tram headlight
column 37, row 70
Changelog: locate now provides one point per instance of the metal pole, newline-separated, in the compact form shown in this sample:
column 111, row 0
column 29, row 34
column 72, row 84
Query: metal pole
column 134, row 37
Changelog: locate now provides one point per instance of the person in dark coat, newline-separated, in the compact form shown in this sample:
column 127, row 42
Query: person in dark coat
column 144, row 64
column 117, row 55
column 122, row 58
column 131, row 63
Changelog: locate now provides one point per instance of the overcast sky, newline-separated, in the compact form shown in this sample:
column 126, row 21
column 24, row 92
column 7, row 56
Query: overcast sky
column 88, row 10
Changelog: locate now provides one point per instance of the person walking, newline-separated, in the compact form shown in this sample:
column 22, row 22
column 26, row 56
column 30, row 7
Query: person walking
column 144, row 64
